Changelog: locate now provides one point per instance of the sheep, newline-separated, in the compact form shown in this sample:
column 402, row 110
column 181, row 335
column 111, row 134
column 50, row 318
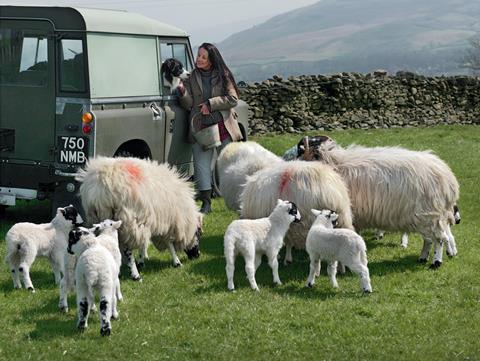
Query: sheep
column 254, row 237
column 396, row 189
column 308, row 184
column 237, row 161
column 27, row 240
column 152, row 200
column 107, row 235
column 333, row 245
column 96, row 270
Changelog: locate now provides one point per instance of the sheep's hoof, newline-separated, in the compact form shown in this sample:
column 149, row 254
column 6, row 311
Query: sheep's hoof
column 115, row 316
column 286, row 263
column 176, row 265
column 31, row 289
column 422, row 260
column 435, row 265
column 64, row 309
column 140, row 265
column 231, row 289
column 82, row 326
column 309, row 285
column 105, row 331
column 137, row 278
column 367, row 292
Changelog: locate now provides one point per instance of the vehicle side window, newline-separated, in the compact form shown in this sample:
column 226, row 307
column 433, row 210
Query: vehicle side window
column 23, row 58
column 177, row 51
column 72, row 67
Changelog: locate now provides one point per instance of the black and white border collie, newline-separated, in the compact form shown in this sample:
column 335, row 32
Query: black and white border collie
column 173, row 72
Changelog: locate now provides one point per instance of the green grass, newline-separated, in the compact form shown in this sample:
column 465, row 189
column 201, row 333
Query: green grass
column 187, row 313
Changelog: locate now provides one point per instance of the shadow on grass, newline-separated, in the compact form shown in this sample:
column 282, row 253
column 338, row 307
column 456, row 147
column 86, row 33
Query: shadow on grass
column 42, row 280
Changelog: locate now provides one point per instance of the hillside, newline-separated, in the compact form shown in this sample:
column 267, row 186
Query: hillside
column 428, row 37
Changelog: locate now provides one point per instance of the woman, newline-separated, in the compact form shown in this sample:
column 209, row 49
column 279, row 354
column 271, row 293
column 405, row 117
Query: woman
column 210, row 94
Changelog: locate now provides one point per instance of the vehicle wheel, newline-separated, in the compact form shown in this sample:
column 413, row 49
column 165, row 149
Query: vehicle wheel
column 123, row 153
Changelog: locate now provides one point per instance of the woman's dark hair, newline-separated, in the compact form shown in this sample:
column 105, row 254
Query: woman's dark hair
column 219, row 65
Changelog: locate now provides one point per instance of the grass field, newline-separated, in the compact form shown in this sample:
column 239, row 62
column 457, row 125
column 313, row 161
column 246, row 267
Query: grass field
column 414, row 313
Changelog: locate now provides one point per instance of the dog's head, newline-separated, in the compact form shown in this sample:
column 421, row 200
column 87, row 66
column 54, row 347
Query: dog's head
column 173, row 71
column 70, row 215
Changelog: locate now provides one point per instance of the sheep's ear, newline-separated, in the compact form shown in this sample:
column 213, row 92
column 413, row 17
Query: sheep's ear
column 315, row 212
column 279, row 201
column 302, row 147
column 61, row 210
column 117, row 224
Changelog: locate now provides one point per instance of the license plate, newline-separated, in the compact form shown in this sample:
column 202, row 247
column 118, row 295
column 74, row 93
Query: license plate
column 72, row 150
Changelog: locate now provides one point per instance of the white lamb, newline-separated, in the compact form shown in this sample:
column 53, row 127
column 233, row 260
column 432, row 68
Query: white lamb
column 396, row 189
column 236, row 162
column 153, row 201
column 253, row 238
column 96, row 270
column 333, row 245
column 308, row 184
column 107, row 235
column 25, row 241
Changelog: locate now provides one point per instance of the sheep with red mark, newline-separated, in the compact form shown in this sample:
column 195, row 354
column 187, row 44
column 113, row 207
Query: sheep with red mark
column 307, row 184
column 236, row 162
column 153, row 201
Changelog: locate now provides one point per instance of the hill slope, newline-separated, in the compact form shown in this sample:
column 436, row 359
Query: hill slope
column 357, row 35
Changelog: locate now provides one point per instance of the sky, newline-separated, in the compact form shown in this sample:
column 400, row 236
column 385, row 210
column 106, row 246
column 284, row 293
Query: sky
column 205, row 21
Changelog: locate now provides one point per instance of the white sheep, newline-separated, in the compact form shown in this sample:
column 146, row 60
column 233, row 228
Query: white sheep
column 396, row 189
column 253, row 238
column 236, row 162
column 307, row 184
column 153, row 201
column 107, row 235
column 96, row 270
column 336, row 245
column 25, row 241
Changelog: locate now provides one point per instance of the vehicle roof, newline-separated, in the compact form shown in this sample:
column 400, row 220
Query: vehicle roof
column 93, row 20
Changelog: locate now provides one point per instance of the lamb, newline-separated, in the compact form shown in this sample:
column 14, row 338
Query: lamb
column 96, row 270
column 254, row 237
column 308, row 184
column 152, row 200
column 25, row 241
column 396, row 189
column 333, row 245
column 107, row 235
column 236, row 162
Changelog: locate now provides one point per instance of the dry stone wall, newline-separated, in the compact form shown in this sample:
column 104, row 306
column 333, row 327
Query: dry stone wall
column 353, row 100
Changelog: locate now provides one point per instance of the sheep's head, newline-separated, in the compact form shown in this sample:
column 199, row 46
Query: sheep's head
column 79, row 239
column 314, row 148
column 290, row 208
column 70, row 215
column 107, row 225
column 327, row 217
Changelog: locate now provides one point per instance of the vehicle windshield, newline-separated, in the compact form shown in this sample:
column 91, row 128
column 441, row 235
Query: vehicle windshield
column 23, row 58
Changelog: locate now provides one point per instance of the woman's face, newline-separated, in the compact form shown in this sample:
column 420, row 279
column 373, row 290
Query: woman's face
column 203, row 62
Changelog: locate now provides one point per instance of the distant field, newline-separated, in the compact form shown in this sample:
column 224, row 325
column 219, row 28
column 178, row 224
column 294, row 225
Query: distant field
column 414, row 313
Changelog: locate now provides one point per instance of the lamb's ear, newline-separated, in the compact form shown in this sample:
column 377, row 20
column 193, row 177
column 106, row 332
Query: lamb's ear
column 117, row 224
column 279, row 201
column 61, row 210
column 315, row 212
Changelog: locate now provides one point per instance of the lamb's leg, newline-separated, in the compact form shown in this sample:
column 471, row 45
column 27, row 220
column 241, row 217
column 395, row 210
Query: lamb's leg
column 175, row 261
column 63, row 302
column 230, row 270
column 83, row 308
column 427, row 244
column 404, row 242
column 332, row 273
column 288, row 255
column 118, row 291
column 105, row 313
column 15, row 272
column 258, row 260
column 130, row 261
column 318, row 267
column 438, row 253
column 314, row 267
column 362, row 271
column 114, row 314
column 451, row 245
column 250, row 268
column 143, row 255
column 273, row 263
column 24, row 269
column 57, row 268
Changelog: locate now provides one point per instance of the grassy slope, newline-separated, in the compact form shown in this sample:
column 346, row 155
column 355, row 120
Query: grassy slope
column 187, row 313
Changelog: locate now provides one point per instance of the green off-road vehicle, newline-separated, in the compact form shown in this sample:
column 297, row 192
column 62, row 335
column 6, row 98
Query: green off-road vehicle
column 77, row 83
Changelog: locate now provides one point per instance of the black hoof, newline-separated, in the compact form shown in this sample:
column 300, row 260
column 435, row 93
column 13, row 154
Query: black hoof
column 31, row 289
column 140, row 265
column 105, row 331
column 81, row 326
column 287, row 263
column 309, row 285
column 366, row 292
column 137, row 278
column 422, row 260
column 176, row 265
column 435, row 265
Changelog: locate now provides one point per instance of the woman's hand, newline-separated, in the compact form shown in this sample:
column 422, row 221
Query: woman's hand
column 204, row 109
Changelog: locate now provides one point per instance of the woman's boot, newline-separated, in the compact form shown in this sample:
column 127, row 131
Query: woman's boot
column 204, row 196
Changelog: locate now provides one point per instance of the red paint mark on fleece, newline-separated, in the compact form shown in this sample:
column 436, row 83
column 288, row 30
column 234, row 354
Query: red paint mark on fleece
column 284, row 180
column 133, row 171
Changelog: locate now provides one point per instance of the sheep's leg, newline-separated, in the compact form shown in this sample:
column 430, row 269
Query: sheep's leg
column 25, row 271
column 105, row 313
column 314, row 267
column 230, row 270
column 258, row 260
column 63, row 302
column 250, row 269
column 340, row 267
column 362, row 271
column 438, row 254
column 143, row 255
column 114, row 314
column 15, row 273
column 83, row 307
column 451, row 244
column 404, row 242
column 332, row 273
column 118, row 291
column 288, row 255
column 427, row 244
column 57, row 270
column 273, row 263
column 175, row 261
column 130, row 260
